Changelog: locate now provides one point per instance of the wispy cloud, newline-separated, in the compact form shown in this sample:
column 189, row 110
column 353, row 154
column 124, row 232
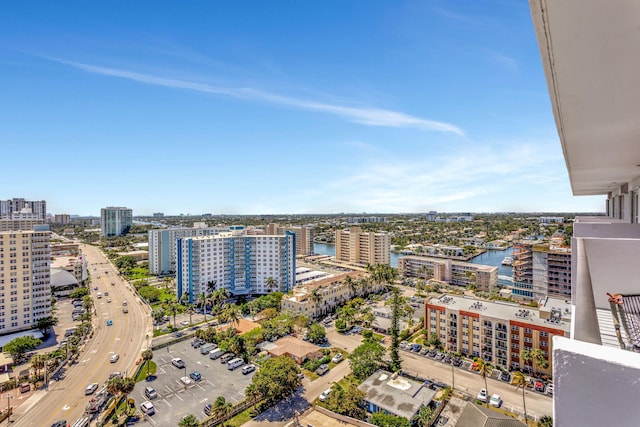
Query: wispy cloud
column 505, row 60
column 358, row 114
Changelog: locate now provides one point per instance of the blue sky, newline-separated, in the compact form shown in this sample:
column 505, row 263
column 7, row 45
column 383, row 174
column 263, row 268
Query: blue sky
column 278, row 107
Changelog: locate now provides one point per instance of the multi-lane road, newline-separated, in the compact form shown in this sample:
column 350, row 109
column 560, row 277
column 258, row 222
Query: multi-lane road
column 65, row 399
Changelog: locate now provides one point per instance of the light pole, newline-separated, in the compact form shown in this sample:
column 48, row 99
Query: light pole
column 9, row 408
column 185, row 376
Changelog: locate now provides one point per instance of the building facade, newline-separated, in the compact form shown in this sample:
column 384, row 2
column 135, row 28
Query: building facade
column 163, row 249
column 541, row 270
column 459, row 273
column 62, row 219
column 115, row 221
column 11, row 206
column 357, row 247
column 498, row 331
column 304, row 236
column 239, row 263
column 25, row 291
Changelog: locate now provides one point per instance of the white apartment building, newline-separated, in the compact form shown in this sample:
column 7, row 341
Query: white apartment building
column 163, row 249
column 357, row 247
column 25, row 292
column 16, row 205
column 115, row 221
column 237, row 262
column 459, row 273
column 590, row 58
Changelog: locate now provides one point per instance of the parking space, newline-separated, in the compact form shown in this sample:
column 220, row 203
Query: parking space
column 175, row 398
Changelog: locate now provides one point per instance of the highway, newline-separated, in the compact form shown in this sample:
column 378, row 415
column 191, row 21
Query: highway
column 65, row 399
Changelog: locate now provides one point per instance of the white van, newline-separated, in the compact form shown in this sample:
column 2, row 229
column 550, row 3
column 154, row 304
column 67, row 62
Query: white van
column 214, row 354
column 206, row 348
column 99, row 295
column 234, row 363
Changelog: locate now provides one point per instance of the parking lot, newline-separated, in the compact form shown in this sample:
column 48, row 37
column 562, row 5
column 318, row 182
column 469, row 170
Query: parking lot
column 174, row 398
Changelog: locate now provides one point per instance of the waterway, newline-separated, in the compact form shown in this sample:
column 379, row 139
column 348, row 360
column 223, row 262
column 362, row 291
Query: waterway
column 493, row 258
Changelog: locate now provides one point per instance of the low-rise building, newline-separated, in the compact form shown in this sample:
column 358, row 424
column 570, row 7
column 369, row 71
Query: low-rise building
column 295, row 348
column 498, row 331
column 394, row 394
column 459, row 273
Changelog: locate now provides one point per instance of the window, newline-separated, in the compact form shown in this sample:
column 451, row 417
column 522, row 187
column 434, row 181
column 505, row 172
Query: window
column 515, row 328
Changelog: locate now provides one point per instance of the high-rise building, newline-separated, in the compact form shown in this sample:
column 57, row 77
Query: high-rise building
column 357, row 247
column 540, row 270
column 25, row 291
column 590, row 58
column 498, row 331
column 115, row 221
column 61, row 219
column 459, row 273
column 163, row 250
column 304, row 236
column 11, row 206
column 241, row 264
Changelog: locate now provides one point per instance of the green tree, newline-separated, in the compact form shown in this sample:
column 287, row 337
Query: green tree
column 315, row 297
column 396, row 302
column 347, row 400
column 149, row 293
column 365, row 359
column 79, row 293
column 277, row 378
column 271, row 283
column 525, row 356
column 221, row 408
column 387, row 420
column 18, row 347
column 147, row 355
column 520, row 380
column 189, row 421
column 46, row 323
column 173, row 308
column 545, row 421
column 157, row 314
column 539, row 359
column 423, row 418
column 126, row 263
column 316, row 333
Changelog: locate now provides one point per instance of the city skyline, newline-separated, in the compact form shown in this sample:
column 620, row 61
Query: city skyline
column 228, row 109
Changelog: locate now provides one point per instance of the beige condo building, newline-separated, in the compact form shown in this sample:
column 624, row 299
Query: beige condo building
column 25, row 291
column 358, row 247
column 304, row 236
column 459, row 273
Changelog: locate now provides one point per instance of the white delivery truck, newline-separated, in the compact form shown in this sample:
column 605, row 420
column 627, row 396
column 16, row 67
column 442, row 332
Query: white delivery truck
column 206, row 348
column 214, row 354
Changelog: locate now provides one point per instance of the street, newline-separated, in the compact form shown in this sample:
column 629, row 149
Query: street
column 65, row 399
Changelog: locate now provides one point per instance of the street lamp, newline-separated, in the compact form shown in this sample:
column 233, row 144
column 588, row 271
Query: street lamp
column 9, row 408
column 185, row 376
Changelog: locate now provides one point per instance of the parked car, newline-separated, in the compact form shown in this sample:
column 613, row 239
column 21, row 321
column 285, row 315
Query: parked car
column 207, row 409
column 109, row 322
column 504, row 376
column 457, row 361
column 337, row 358
column 324, row 395
column 550, row 389
column 195, row 375
column 416, row 347
column 177, row 362
column 424, row 351
column 432, row 353
column 61, row 423
column 186, row 380
column 482, row 395
column 114, row 358
column 224, row 359
column 184, row 322
column 447, row 359
column 539, row 386
column 150, row 393
column 91, row 388
column 495, row 401
column 403, row 345
column 147, row 408
column 322, row 369
column 248, row 369
column 439, row 356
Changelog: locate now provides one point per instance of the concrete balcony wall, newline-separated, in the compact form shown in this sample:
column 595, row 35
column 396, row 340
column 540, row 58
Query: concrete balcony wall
column 594, row 385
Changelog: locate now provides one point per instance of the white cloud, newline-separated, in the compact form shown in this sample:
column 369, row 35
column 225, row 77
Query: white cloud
column 361, row 114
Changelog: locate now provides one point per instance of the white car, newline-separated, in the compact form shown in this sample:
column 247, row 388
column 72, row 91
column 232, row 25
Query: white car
column 147, row 408
column 91, row 388
column 114, row 358
column 177, row 362
column 550, row 389
column 482, row 396
column 495, row 401
column 337, row 358
column 324, row 395
column 186, row 381
column 184, row 323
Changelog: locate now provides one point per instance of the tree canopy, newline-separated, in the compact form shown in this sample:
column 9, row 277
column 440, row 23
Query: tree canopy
column 277, row 378
column 18, row 347
column 316, row 333
column 149, row 293
column 347, row 400
column 365, row 359
column 386, row 420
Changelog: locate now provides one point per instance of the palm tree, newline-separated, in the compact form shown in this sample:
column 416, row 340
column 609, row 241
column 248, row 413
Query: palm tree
column 520, row 380
column 351, row 284
column 252, row 393
column 363, row 286
column 485, row 370
column 271, row 283
column 147, row 355
column 525, row 356
column 191, row 308
column 219, row 297
column 204, row 299
column 211, row 287
column 232, row 314
column 316, row 297
column 37, row 363
column 189, row 421
column 221, row 408
column 173, row 308
column 539, row 359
